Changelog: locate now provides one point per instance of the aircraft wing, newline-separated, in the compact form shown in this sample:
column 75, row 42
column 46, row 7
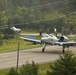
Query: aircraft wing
column 30, row 39
column 69, row 43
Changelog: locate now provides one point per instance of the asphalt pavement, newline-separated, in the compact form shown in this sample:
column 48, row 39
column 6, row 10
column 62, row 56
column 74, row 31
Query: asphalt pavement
column 8, row 60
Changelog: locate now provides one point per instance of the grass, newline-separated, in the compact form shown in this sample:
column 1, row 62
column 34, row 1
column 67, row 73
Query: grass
column 71, row 38
column 41, row 71
column 29, row 31
column 12, row 45
column 4, row 72
column 43, row 68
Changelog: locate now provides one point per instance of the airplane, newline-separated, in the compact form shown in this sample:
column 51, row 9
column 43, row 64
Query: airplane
column 52, row 40
column 15, row 29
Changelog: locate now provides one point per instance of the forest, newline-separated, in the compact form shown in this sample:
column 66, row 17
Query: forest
column 36, row 14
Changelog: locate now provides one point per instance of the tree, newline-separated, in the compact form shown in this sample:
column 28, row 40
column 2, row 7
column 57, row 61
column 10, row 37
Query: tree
column 8, row 33
column 65, row 65
column 45, row 7
column 12, row 72
column 70, row 22
column 29, row 69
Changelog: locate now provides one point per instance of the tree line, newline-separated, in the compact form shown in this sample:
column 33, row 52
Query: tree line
column 35, row 14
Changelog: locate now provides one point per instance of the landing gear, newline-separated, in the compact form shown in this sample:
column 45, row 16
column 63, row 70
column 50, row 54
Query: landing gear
column 43, row 49
column 63, row 48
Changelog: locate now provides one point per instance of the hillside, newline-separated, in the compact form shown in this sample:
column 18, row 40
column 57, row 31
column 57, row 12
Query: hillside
column 39, row 13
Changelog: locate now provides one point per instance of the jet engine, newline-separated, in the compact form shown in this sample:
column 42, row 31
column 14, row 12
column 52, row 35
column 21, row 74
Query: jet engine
column 63, row 39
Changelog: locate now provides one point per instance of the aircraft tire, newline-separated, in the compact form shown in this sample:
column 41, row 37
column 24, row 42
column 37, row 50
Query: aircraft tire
column 43, row 49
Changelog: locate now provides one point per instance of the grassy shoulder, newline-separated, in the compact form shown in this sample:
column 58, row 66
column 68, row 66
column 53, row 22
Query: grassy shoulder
column 12, row 45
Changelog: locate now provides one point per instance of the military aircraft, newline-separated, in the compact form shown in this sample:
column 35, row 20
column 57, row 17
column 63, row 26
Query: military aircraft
column 52, row 40
column 15, row 29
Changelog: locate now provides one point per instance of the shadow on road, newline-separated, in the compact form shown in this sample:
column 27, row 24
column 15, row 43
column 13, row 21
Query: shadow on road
column 48, row 52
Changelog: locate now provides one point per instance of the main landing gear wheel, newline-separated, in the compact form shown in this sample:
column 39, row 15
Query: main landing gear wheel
column 63, row 49
column 43, row 49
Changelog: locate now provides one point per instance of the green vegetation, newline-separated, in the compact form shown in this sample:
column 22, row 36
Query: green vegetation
column 12, row 72
column 4, row 72
column 71, row 38
column 30, row 14
column 28, row 69
column 12, row 44
column 35, row 14
column 8, row 33
column 42, row 69
column 65, row 65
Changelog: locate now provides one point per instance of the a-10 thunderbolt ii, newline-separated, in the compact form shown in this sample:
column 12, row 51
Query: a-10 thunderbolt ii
column 52, row 40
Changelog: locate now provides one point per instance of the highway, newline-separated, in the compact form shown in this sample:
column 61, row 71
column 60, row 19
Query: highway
column 8, row 60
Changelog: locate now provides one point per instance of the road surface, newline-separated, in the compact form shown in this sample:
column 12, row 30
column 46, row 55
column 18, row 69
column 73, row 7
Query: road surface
column 8, row 60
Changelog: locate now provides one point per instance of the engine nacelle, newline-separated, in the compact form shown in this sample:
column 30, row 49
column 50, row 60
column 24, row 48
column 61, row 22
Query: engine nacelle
column 63, row 39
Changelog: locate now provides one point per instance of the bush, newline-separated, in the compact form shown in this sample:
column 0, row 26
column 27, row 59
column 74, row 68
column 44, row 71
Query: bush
column 8, row 33
column 65, row 65
column 12, row 72
column 29, row 69
column 7, row 36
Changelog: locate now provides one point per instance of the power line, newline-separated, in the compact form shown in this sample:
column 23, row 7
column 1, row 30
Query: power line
column 63, row 2
column 44, row 6
column 45, row 20
column 49, row 4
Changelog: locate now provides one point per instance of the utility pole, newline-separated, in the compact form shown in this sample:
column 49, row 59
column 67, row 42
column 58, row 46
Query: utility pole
column 6, row 11
column 17, row 56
